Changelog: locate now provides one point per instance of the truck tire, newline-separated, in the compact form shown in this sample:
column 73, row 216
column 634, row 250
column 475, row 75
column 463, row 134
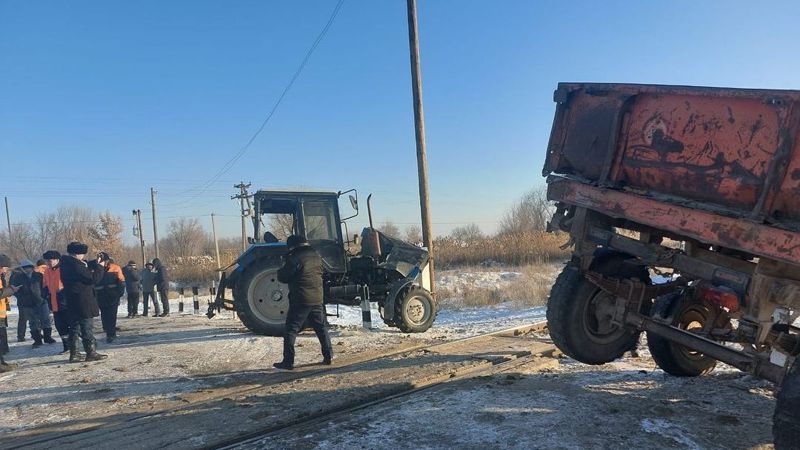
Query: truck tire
column 576, row 309
column 786, row 422
column 415, row 310
column 687, row 314
column 261, row 301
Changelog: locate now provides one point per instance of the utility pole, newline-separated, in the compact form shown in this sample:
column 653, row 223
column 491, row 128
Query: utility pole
column 243, row 196
column 155, row 224
column 137, row 214
column 419, row 129
column 8, row 219
column 216, row 242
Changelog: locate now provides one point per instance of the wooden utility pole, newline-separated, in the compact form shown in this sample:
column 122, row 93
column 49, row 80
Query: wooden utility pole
column 155, row 224
column 8, row 218
column 137, row 214
column 243, row 197
column 419, row 128
column 216, row 242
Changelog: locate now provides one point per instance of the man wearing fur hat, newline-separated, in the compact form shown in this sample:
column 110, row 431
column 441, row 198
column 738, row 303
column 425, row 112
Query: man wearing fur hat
column 79, row 279
column 5, row 292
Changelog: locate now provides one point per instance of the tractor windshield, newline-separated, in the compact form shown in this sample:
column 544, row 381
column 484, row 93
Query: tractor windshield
column 320, row 221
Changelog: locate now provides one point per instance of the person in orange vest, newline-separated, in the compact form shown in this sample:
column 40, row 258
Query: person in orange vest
column 5, row 292
column 54, row 293
column 109, row 290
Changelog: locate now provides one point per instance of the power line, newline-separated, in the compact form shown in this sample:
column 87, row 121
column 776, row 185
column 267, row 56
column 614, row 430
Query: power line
column 231, row 162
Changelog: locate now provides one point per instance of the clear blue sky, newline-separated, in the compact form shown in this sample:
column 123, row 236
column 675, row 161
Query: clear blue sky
column 101, row 100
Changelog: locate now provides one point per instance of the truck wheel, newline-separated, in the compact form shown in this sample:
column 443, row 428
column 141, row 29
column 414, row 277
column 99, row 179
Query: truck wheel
column 579, row 313
column 786, row 422
column 687, row 314
column 261, row 301
column 415, row 310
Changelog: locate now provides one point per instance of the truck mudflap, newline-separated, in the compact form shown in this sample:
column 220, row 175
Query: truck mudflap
column 220, row 302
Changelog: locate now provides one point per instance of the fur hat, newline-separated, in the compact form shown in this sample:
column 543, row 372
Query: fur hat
column 5, row 261
column 295, row 241
column 131, row 263
column 51, row 254
column 77, row 248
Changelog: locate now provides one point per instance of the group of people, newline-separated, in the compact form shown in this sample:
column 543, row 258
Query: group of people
column 75, row 291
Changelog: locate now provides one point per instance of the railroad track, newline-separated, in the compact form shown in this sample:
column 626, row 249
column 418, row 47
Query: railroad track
column 247, row 414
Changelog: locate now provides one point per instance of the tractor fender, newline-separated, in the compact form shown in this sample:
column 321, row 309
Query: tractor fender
column 394, row 290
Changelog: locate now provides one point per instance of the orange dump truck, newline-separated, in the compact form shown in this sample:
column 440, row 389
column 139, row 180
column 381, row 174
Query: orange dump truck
column 702, row 186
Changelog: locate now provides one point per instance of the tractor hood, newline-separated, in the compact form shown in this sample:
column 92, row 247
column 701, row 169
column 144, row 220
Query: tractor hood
column 396, row 254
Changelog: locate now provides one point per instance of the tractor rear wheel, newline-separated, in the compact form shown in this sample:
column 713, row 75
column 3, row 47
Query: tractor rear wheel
column 579, row 313
column 415, row 310
column 690, row 315
column 262, row 301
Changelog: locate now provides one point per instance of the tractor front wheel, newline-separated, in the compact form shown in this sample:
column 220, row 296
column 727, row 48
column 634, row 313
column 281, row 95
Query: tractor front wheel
column 415, row 310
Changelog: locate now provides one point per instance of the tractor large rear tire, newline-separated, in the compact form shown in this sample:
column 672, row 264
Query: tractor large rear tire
column 673, row 358
column 578, row 312
column 415, row 310
column 261, row 301
column 786, row 422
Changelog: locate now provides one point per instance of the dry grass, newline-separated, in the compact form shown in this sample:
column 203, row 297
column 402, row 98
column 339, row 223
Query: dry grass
column 512, row 250
column 530, row 289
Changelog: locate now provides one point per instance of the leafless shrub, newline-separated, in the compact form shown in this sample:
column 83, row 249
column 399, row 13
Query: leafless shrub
column 530, row 213
column 185, row 238
column 390, row 229
column 514, row 250
column 467, row 233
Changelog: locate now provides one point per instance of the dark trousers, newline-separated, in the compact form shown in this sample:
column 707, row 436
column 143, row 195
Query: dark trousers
column 83, row 328
column 22, row 324
column 3, row 341
column 133, row 303
column 108, row 315
column 38, row 317
column 61, row 319
column 297, row 315
column 164, row 294
column 146, row 298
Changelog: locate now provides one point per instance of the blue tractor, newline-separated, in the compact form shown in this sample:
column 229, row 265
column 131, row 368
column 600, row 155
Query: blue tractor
column 385, row 270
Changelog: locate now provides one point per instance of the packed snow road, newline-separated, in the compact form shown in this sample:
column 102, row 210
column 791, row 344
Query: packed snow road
column 179, row 362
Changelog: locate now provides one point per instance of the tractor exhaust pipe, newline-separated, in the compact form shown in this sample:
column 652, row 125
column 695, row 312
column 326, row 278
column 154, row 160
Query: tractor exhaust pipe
column 369, row 211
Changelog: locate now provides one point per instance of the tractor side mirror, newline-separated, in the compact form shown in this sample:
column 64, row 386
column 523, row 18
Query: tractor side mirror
column 353, row 202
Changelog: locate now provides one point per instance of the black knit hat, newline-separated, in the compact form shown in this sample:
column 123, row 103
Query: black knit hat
column 131, row 263
column 5, row 261
column 295, row 241
column 40, row 262
column 77, row 248
column 51, row 254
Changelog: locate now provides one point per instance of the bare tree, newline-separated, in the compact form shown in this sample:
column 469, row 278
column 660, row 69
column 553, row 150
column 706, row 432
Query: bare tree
column 530, row 213
column 413, row 234
column 467, row 233
column 281, row 225
column 390, row 229
column 185, row 238
column 107, row 234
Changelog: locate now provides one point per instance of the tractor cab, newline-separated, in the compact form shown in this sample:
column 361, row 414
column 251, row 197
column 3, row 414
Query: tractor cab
column 313, row 214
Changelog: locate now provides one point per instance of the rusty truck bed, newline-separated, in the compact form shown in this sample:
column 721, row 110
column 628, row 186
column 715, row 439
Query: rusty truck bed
column 719, row 165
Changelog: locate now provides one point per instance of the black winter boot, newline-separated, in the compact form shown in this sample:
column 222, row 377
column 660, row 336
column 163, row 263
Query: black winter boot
column 37, row 338
column 48, row 336
column 74, row 355
column 65, row 343
column 91, row 353
column 6, row 367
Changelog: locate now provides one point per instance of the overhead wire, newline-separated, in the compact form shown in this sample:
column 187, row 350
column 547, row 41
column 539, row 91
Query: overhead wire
column 232, row 161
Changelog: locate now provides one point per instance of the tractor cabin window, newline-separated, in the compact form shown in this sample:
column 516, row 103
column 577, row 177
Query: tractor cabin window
column 320, row 221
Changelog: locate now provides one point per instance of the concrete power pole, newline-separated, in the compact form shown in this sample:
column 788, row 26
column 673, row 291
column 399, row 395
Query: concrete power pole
column 137, row 213
column 243, row 197
column 155, row 224
column 8, row 219
column 419, row 128
column 216, row 242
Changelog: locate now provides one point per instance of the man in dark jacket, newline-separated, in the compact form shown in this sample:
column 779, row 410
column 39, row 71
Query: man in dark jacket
column 53, row 292
column 79, row 279
column 30, row 300
column 302, row 271
column 133, row 286
column 162, row 284
column 109, row 290
column 148, row 278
